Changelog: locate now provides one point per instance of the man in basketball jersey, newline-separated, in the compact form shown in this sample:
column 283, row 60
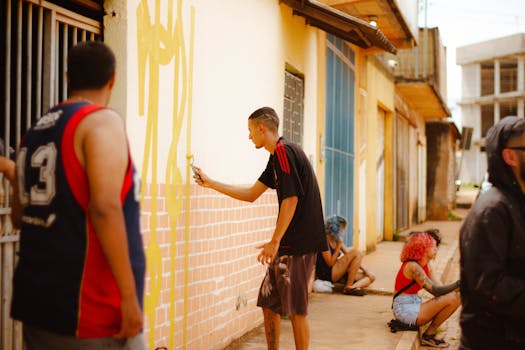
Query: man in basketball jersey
column 79, row 279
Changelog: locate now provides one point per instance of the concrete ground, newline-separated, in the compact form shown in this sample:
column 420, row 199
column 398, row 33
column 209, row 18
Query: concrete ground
column 337, row 321
column 344, row 322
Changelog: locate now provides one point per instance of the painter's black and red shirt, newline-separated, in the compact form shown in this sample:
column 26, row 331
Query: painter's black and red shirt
column 289, row 172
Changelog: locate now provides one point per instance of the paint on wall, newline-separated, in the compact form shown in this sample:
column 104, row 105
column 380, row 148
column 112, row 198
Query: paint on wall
column 164, row 45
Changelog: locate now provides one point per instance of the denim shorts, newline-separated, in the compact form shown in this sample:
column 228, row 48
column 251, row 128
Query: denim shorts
column 406, row 308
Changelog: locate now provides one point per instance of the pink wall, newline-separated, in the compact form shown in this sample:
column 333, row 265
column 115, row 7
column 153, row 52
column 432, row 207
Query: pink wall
column 222, row 270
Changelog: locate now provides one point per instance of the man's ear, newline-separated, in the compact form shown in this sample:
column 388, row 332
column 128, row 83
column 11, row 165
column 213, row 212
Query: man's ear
column 509, row 157
column 111, row 82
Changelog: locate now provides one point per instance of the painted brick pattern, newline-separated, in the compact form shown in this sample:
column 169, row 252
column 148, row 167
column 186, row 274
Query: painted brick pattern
column 223, row 275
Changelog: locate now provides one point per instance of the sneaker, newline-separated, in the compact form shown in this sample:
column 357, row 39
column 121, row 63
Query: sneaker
column 354, row 291
column 432, row 341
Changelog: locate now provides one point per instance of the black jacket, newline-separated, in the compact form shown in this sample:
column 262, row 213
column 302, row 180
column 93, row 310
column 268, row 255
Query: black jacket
column 492, row 245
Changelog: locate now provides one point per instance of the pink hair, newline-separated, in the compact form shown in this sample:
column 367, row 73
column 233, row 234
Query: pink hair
column 417, row 246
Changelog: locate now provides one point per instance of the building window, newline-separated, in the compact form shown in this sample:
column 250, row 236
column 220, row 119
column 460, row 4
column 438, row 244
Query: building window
column 487, row 78
column 508, row 108
column 487, row 118
column 293, row 108
column 508, row 75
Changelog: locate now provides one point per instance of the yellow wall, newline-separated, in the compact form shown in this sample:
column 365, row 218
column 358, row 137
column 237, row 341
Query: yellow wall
column 380, row 94
column 301, row 45
column 361, row 125
column 321, row 108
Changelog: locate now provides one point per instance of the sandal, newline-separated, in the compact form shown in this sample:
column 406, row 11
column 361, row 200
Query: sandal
column 354, row 291
column 432, row 341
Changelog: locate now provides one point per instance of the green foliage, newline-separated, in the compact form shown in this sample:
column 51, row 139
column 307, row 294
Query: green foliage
column 454, row 217
column 469, row 185
column 396, row 237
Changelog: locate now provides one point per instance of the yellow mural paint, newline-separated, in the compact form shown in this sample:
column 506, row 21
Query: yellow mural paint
column 158, row 45
column 147, row 36
column 188, row 188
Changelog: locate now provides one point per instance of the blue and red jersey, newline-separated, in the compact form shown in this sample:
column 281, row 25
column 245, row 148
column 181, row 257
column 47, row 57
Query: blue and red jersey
column 62, row 281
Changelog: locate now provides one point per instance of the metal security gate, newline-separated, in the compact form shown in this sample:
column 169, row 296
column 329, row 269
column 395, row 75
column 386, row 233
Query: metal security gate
column 339, row 141
column 35, row 36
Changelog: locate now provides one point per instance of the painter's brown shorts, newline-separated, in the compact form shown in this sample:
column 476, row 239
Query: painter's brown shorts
column 284, row 289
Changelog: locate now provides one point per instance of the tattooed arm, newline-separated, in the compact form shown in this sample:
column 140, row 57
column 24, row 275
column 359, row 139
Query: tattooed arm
column 414, row 271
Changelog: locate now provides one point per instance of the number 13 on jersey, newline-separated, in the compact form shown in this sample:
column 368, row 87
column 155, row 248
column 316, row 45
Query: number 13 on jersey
column 42, row 191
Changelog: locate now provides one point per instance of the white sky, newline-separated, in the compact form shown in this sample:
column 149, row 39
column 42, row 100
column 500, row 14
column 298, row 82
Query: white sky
column 463, row 22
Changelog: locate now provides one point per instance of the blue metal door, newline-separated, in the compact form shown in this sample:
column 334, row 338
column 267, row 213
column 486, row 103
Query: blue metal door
column 339, row 127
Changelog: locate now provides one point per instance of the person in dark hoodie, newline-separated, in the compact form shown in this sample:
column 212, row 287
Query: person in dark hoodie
column 492, row 246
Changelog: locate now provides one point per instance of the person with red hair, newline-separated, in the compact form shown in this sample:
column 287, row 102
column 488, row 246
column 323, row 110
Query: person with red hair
column 415, row 274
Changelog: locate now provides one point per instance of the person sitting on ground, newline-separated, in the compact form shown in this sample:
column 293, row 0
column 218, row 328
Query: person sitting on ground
column 347, row 268
column 414, row 274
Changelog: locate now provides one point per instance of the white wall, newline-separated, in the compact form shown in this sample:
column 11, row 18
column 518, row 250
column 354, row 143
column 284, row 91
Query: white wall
column 240, row 51
column 474, row 163
column 470, row 81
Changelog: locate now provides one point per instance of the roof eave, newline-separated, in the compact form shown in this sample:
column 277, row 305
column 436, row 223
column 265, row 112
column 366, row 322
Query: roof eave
column 344, row 26
column 423, row 97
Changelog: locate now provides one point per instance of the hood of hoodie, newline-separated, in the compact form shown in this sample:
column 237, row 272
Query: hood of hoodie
column 500, row 174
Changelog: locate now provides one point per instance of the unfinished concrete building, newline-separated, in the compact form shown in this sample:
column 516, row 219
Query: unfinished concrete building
column 492, row 88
